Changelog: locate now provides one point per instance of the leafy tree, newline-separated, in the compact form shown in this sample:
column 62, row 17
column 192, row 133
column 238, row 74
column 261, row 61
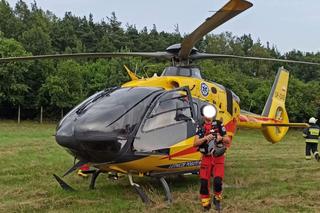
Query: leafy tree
column 64, row 88
column 36, row 41
column 13, row 88
column 8, row 20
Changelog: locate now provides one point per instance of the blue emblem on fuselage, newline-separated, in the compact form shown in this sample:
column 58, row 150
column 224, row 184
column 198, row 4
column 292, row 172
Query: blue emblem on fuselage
column 204, row 89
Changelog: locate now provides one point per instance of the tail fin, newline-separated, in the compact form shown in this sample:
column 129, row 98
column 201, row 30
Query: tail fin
column 275, row 107
column 273, row 121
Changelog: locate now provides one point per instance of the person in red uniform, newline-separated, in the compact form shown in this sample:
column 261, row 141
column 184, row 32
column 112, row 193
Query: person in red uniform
column 211, row 140
column 83, row 169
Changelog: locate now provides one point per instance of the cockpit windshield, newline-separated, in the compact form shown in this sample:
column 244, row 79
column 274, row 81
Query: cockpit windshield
column 116, row 112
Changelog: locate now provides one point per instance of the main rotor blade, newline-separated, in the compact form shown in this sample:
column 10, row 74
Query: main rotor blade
column 160, row 55
column 228, row 11
column 212, row 56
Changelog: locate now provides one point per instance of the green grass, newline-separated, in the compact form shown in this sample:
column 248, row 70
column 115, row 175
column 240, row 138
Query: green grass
column 260, row 177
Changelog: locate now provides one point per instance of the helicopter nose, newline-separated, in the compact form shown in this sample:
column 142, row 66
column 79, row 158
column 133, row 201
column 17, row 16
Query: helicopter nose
column 87, row 143
column 103, row 128
column 65, row 134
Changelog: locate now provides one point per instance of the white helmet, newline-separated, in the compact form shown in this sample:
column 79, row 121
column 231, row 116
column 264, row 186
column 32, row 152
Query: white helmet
column 209, row 111
column 312, row 120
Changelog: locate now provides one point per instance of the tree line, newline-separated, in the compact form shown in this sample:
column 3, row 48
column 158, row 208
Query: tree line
column 57, row 85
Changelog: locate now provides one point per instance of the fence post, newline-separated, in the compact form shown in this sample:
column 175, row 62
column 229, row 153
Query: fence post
column 41, row 114
column 19, row 113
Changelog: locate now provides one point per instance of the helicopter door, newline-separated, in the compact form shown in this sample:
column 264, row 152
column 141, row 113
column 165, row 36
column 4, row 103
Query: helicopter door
column 168, row 121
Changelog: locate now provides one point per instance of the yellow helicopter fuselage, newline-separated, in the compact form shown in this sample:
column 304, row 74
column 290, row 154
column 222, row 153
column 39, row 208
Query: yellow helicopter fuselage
column 183, row 156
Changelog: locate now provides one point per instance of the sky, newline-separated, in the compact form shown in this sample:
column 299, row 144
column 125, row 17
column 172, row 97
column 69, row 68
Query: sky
column 287, row 24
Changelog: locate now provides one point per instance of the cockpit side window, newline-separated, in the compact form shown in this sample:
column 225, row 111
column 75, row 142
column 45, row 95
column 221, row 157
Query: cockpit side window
column 165, row 111
column 161, row 127
column 161, row 120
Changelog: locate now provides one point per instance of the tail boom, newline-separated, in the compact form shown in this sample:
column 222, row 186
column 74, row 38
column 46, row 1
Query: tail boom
column 274, row 120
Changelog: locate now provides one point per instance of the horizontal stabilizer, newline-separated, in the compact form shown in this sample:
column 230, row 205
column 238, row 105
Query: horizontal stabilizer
column 291, row 125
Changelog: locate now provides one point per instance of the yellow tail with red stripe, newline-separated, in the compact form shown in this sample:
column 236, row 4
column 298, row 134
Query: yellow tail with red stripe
column 274, row 120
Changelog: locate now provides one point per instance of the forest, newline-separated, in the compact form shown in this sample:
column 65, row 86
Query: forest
column 55, row 86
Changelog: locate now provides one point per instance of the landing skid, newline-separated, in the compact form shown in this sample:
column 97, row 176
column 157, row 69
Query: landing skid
column 139, row 190
column 144, row 197
column 67, row 187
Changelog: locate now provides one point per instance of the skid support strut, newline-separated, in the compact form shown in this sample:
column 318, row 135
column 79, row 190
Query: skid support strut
column 139, row 190
column 166, row 189
column 94, row 178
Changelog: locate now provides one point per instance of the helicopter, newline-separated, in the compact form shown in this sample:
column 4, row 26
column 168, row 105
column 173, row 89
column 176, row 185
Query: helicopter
column 146, row 126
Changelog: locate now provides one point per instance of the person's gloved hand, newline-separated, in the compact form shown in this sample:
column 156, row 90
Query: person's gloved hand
column 209, row 137
column 219, row 138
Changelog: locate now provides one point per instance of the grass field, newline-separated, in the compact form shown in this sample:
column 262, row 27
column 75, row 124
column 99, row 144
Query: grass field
column 260, row 177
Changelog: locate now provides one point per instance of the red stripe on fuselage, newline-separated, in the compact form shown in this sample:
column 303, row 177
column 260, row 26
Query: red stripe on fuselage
column 183, row 152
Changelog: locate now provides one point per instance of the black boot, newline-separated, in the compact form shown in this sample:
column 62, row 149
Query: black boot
column 206, row 204
column 217, row 202
column 207, row 208
column 316, row 156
